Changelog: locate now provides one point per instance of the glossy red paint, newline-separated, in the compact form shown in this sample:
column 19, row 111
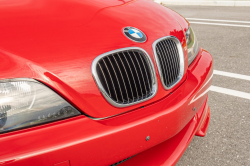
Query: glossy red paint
column 55, row 42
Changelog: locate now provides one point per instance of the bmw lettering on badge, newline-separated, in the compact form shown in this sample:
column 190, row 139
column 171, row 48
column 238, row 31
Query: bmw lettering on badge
column 134, row 34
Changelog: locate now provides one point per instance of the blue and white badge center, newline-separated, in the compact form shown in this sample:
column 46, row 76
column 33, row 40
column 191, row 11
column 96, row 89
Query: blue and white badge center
column 135, row 33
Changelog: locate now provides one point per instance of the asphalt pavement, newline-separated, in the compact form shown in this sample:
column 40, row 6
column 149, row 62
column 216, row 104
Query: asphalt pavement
column 225, row 33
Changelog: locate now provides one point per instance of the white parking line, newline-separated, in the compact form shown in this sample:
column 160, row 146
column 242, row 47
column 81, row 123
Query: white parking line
column 230, row 92
column 232, row 75
column 213, row 20
column 230, row 25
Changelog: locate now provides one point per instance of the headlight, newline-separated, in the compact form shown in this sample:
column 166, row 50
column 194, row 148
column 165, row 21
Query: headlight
column 27, row 102
column 192, row 45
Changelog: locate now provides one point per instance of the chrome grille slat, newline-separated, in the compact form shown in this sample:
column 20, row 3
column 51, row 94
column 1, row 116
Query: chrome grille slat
column 122, row 79
column 167, row 61
column 125, row 76
column 170, row 60
column 169, row 48
column 177, row 58
column 174, row 58
column 164, row 74
column 144, row 67
column 141, row 74
column 132, row 76
column 116, row 79
column 136, row 74
column 170, row 52
column 104, row 78
column 110, row 79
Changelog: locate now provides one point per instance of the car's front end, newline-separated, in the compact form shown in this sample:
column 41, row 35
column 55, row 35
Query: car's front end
column 96, row 83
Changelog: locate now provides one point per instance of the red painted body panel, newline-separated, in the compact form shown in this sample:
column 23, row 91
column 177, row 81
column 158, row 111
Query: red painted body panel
column 55, row 42
column 103, row 142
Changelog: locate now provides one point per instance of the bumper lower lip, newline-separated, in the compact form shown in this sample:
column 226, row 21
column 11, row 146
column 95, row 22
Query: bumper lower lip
column 83, row 141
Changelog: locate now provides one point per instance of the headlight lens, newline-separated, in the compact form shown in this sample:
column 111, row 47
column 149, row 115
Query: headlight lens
column 28, row 102
column 192, row 45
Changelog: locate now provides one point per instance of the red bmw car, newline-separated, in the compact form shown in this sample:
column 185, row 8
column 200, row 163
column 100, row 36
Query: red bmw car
column 89, row 83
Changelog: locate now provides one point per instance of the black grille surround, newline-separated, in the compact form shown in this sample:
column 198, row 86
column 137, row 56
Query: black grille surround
column 170, row 60
column 125, row 76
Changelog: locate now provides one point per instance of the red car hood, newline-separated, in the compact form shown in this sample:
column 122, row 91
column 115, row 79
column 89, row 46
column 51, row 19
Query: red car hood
column 55, row 42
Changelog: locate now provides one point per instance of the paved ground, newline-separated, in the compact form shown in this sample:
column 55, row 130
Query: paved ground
column 228, row 139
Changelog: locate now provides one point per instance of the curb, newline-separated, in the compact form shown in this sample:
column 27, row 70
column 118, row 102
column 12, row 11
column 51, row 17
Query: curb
column 205, row 2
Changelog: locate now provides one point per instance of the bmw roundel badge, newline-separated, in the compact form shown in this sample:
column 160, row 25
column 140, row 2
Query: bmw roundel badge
column 134, row 34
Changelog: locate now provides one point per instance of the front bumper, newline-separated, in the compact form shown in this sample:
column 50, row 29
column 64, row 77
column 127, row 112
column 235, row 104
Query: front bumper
column 169, row 152
column 83, row 141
